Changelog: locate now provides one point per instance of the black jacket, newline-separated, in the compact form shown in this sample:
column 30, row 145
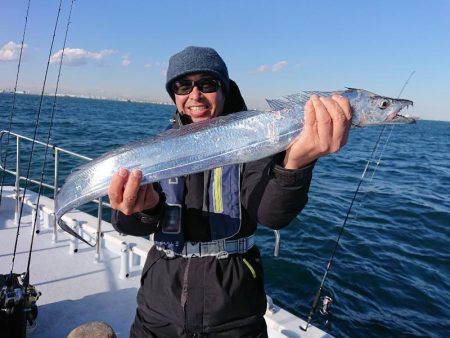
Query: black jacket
column 180, row 297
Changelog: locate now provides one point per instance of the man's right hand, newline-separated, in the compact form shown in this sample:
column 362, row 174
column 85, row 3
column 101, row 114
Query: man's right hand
column 126, row 194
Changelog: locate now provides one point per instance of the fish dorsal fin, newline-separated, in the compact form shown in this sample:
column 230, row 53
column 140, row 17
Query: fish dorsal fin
column 289, row 101
column 304, row 96
column 298, row 99
column 277, row 104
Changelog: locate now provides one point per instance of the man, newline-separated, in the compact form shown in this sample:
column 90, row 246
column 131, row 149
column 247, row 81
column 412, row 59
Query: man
column 203, row 276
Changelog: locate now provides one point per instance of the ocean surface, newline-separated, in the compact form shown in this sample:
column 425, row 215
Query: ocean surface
column 390, row 276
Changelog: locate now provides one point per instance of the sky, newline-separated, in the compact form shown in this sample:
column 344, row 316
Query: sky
column 120, row 49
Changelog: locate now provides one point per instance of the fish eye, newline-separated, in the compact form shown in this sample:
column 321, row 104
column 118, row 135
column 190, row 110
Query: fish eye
column 384, row 104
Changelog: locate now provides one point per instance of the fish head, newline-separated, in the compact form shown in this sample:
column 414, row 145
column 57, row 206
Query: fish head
column 372, row 109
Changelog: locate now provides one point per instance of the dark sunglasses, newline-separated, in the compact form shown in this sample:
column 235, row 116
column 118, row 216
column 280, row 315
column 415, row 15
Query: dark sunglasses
column 205, row 85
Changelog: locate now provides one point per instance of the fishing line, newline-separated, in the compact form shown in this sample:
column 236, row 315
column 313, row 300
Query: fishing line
column 389, row 136
column 364, row 193
column 11, row 114
column 393, row 126
column 34, row 138
column 369, row 161
column 378, row 161
column 26, row 279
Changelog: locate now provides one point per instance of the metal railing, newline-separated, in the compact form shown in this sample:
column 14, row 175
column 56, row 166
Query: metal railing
column 56, row 153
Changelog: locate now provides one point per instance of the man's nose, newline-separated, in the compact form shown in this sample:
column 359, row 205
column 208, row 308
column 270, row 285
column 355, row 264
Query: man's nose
column 196, row 93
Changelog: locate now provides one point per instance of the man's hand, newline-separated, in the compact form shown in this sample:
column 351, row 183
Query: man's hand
column 326, row 126
column 126, row 194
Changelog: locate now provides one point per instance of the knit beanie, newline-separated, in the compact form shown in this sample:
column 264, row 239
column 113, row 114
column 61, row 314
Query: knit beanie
column 197, row 60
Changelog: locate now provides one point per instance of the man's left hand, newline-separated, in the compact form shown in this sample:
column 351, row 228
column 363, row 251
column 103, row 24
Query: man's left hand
column 327, row 121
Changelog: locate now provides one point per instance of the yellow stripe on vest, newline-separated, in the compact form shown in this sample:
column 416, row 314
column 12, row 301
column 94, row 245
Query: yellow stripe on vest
column 250, row 267
column 217, row 190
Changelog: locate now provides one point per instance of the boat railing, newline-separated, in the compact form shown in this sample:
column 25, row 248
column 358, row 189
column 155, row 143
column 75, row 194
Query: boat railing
column 56, row 151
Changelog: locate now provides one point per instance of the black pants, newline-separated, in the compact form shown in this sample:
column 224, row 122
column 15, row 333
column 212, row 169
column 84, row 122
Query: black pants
column 256, row 330
column 201, row 297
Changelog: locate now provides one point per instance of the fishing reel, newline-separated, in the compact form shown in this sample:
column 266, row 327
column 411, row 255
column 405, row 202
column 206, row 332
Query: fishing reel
column 10, row 299
column 18, row 308
column 326, row 305
column 325, row 308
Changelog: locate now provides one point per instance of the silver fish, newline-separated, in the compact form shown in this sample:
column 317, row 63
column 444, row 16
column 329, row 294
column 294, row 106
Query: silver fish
column 235, row 138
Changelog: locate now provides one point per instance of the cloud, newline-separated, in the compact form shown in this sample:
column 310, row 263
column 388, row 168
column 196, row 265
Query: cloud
column 11, row 51
column 276, row 67
column 79, row 56
column 125, row 61
column 262, row 69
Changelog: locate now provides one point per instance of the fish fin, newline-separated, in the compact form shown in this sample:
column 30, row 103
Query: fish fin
column 316, row 92
column 303, row 97
column 277, row 104
column 68, row 229
column 298, row 99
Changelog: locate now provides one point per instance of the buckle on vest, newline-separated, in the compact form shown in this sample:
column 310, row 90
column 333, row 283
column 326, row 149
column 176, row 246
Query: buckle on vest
column 222, row 255
column 191, row 248
column 169, row 253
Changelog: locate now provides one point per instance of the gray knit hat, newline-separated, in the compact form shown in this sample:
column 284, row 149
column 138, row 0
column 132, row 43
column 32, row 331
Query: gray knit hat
column 197, row 60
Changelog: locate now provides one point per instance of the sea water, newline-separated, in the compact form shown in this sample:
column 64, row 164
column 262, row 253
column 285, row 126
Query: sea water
column 390, row 276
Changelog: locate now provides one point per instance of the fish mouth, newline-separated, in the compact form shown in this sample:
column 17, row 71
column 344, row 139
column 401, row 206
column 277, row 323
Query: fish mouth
column 392, row 115
column 404, row 104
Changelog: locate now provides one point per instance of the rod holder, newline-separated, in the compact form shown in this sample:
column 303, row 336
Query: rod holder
column 35, row 218
column 124, row 253
column 52, row 218
column 73, row 244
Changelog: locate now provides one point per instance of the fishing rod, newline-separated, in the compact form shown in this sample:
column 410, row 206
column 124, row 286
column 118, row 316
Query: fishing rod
column 319, row 291
column 27, row 273
column 34, row 138
column 18, row 298
column 11, row 114
column 327, row 300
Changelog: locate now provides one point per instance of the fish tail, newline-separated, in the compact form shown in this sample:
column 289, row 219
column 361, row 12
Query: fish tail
column 68, row 229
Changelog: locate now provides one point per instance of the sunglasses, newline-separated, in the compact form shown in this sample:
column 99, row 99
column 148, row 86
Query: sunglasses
column 205, row 85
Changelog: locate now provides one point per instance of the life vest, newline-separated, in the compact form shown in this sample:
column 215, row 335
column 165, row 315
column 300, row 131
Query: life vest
column 221, row 200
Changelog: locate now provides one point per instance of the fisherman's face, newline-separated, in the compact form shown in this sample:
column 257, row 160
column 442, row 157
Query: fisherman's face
column 198, row 105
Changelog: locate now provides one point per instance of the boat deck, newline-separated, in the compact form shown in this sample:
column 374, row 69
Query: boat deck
column 80, row 287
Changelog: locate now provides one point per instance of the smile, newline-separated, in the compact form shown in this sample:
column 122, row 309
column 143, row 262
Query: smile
column 197, row 108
